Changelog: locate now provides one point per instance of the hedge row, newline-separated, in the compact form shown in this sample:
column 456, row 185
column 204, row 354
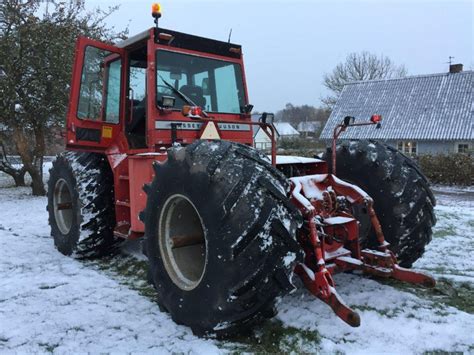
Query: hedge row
column 453, row 169
column 303, row 147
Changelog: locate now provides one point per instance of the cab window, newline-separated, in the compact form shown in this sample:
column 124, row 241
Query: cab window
column 99, row 94
column 215, row 85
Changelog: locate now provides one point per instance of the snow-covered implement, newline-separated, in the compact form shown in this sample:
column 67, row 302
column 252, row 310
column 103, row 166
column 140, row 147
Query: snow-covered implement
column 159, row 137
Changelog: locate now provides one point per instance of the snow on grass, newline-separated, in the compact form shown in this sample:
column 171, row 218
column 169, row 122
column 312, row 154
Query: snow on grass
column 451, row 252
column 404, row 319
column 52, row 303
column 391, row 320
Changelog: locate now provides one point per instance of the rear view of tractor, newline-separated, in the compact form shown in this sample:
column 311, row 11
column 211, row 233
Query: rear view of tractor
column 159, row 143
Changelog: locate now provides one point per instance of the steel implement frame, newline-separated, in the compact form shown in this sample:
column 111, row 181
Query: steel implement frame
column 319, row 199
column 326, row 255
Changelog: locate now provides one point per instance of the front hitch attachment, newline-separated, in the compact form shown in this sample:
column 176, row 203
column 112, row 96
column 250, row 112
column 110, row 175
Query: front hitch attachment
column 331, row 241
column 320, row 282
column 321, row 285
column 384, row 264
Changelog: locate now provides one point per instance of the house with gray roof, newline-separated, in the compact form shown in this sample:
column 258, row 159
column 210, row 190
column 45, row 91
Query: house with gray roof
column 285, row 130
column 424, row 114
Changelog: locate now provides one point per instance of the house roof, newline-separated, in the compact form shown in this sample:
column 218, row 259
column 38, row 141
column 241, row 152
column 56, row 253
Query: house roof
column 261, row 136
column 285, row 129
column 425, row 107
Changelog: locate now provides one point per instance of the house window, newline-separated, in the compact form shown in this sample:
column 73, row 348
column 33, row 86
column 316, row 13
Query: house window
column 462, row 148
column 407, row 147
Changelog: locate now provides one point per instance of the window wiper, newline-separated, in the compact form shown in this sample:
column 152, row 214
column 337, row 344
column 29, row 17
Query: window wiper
column 183, row 96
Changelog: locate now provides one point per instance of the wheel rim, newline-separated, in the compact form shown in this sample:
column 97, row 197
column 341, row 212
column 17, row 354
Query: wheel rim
column 182, row 242
column 62, row 202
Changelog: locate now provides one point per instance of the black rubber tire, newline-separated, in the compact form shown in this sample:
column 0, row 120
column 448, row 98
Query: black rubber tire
column 251, row 243
column 90, row 182
column 403, row 200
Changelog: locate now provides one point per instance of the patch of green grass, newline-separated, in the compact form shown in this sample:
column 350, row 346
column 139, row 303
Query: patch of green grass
column 460, row 295
column 48, row 347
column 447, row 215
column 50, row 287
column 76, row 329
column 130, row 272
column 445, row 232
column 387, row 312
column 439, row 269
column 273, row 337
column 455, row 294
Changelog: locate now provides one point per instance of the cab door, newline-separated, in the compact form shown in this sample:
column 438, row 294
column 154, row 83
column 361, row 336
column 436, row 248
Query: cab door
column 94, row 119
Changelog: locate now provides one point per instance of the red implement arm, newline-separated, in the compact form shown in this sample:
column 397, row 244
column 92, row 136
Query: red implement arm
column 331, row 243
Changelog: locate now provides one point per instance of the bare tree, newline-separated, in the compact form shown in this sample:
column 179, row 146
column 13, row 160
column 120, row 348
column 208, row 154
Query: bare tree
column 9, row 166
column 305, row 113
column 36, row 55
column 357, row 67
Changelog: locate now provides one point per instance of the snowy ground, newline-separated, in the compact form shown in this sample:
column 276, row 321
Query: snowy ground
column 52, row 303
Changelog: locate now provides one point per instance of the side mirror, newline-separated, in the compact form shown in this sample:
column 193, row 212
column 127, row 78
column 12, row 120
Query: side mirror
column 267, row 117
column 247, row 109
column 348, row 119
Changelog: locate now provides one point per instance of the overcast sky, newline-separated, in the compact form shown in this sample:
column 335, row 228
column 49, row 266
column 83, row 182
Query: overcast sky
column 289, row 45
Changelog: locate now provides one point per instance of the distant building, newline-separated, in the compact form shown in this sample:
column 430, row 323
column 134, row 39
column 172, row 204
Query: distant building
column 286, row 130
column 283, row 130
column 260, row 139
column 309, row 129
column 425, row 114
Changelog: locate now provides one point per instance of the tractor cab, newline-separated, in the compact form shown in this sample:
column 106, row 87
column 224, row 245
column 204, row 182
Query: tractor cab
column 155, row 89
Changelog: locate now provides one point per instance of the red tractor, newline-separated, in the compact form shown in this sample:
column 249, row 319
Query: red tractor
column 159, row 143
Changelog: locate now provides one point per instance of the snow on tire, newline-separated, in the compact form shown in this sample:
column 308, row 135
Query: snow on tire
column 402, row 197
column 81, row 205
column 220, row 236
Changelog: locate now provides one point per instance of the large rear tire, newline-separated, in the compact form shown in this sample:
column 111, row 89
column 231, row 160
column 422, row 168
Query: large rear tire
column 231, row 206
column 402, row 197
column 81, row 205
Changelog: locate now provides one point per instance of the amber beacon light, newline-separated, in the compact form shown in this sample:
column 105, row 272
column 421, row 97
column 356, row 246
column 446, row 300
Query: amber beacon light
column 156, row 10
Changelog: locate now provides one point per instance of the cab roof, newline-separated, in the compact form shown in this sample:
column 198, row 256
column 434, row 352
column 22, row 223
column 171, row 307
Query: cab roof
column 186, row 41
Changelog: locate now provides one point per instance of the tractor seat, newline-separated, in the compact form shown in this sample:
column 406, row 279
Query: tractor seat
column 137, row 126
column 195, row 93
